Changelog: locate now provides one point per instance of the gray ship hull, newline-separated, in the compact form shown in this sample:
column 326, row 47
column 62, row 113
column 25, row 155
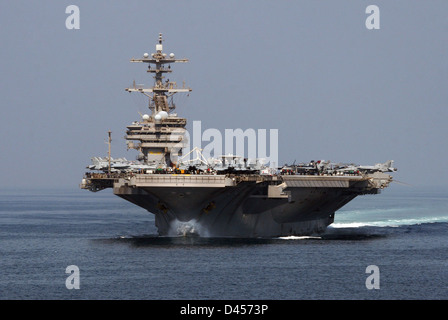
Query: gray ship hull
column 219, row 206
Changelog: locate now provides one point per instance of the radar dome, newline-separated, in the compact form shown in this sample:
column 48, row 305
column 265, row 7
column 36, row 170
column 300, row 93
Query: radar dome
column 145, row 117
column 171, row 55
column 145, row 55
column 158, row 117
column 163, row 114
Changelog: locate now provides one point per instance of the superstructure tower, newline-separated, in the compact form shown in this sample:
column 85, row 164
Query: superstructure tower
column 159, row 136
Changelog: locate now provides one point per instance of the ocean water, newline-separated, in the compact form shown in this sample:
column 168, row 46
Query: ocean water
column 402, row 232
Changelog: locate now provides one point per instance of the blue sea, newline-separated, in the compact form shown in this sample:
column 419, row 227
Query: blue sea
column 400, row 234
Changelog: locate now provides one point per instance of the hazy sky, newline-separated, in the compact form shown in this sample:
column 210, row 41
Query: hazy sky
column 334, row 89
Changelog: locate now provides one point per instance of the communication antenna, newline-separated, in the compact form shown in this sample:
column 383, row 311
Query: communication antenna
column 109, row 143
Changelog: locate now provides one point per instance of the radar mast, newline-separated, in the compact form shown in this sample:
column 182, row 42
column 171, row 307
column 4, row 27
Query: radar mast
column 159, row 93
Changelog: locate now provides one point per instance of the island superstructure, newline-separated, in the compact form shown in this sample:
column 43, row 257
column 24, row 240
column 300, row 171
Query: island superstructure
column 163, row 131
column 226, row 196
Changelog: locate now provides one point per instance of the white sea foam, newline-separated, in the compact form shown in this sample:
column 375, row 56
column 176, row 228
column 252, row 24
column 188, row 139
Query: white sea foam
column 298, row 237
column 187, row 228
column 390, row 222
column 349, row 225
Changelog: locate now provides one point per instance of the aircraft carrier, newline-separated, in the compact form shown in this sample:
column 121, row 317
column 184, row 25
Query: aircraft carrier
column 227, row 196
